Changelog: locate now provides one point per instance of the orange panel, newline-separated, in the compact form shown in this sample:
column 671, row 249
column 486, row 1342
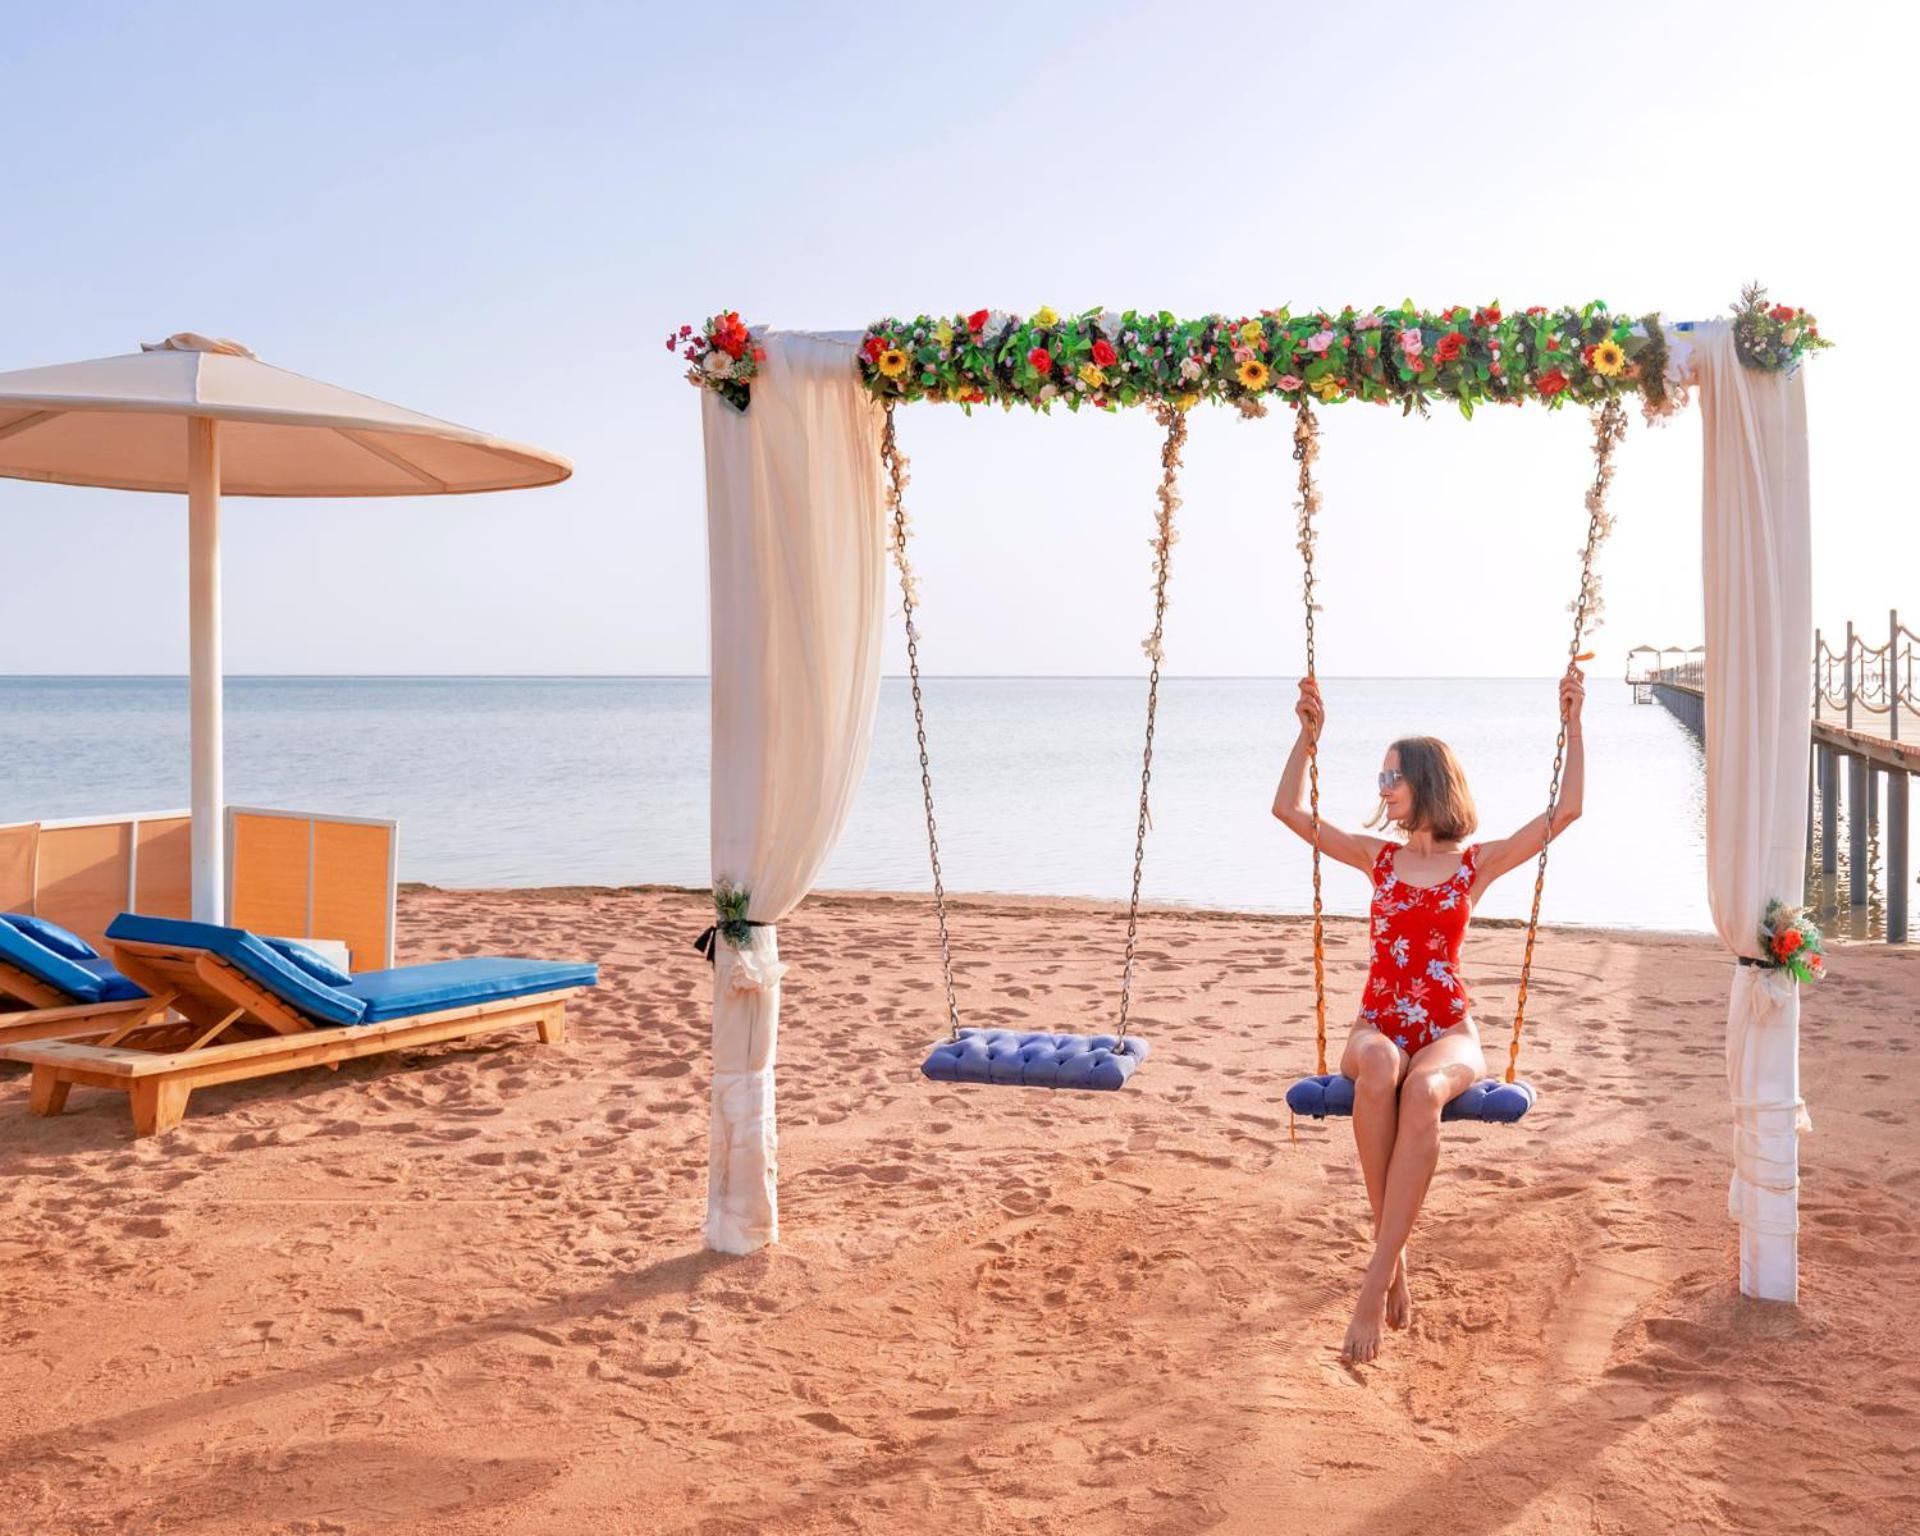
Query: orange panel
column 351, row 899
column 163, row 874
column 16, row 866
column 83, row 877
column 270, row 865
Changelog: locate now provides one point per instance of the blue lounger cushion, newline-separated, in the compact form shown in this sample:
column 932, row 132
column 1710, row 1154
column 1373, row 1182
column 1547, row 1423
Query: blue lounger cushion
column 1489, row 1100
column 249, row 954
column 373, row 996
column 412, row 989
column 23, row 945
column 1034, row 1059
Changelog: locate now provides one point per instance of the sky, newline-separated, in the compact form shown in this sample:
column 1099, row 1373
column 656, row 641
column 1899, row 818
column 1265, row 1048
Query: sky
column 494, row 213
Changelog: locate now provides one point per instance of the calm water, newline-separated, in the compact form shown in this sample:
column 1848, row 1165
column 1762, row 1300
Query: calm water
column 515, row 781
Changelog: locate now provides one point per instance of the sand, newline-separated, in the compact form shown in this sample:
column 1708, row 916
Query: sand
column 461, row 1290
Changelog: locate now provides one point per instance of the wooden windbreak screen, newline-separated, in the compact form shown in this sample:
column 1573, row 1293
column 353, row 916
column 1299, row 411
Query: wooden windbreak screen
column 82, row 874
column 301, row 876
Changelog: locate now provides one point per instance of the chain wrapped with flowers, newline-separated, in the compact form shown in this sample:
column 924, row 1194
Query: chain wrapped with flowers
column 1791, row 943
column 724, row 356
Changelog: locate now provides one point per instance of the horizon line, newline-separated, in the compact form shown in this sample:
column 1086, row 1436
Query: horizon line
column 655, row 677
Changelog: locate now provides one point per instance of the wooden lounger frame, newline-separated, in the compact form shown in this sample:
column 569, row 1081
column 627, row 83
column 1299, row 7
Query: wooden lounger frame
column 49, row 1014
column 157, row 1062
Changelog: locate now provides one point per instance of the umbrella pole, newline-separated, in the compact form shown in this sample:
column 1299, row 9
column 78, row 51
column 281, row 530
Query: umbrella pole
column 203, row 586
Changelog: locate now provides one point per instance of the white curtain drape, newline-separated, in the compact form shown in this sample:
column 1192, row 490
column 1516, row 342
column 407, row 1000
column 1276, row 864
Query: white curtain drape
column 797, row 571
column 1757, row 544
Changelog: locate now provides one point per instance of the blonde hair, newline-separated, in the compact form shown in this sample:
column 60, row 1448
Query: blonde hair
column 1442, row 803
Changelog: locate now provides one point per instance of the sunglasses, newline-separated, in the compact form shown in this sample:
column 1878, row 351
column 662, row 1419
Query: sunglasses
column 1390, row 777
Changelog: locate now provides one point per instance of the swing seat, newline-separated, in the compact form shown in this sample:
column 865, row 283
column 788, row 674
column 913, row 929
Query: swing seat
column 1490, row 1101
column 1035, row 1059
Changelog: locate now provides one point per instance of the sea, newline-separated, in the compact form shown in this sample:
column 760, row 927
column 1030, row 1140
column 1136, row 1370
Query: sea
column 517, row 781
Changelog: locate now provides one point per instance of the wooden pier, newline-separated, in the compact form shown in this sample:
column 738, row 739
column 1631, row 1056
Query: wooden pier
column 1863, row 700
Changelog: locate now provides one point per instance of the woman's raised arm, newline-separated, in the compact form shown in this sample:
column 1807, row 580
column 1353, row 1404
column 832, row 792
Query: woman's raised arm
column 1290, row 799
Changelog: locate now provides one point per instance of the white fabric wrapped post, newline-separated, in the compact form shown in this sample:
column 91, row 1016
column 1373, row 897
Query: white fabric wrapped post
column 797, row 570
column 1757, row 546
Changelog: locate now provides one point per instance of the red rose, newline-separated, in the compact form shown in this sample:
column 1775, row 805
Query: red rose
column 1103, row 353
column 1551, row 383
column 1553, row 343
column 1448, row 347
column 1041, row 360
column 1536, row 309
column 977, row 321
column 759, row 354
column 1782, row 312
column 1488, row 316
column 1786, row 942
column 1587, row 355
column 873, row 348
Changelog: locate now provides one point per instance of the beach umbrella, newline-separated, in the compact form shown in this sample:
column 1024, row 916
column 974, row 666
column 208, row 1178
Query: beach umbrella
column 203, row 418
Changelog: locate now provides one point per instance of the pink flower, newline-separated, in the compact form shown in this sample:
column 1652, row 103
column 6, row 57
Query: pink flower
column 1288, row 381
column 1367, row 322
column 1410, row 342
column 1320, row 342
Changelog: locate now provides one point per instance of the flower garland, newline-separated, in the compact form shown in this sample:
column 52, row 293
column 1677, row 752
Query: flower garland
column 725, row 358
column 730, row 919
column 1791, row 943
column 1105, row 359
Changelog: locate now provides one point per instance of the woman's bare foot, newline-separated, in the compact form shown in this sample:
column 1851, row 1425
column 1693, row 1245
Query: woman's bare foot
column 1363, row 1333
column 1399, row 1299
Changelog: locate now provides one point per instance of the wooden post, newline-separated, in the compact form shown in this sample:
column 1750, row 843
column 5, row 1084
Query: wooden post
column 1816, row 676
column 1893, row 675
column 1829, row 815
column 1857, row 767
column 1846, row 674
column 1897, row 872
column 1873, row 794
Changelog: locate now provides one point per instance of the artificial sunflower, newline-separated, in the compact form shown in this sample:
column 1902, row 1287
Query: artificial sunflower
column 1609, row 359
column 1253, row 373
column 893, row 362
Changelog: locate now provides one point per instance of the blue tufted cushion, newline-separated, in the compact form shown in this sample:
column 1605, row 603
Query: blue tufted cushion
column 315, row 964
column 60, row 940
column 250, row 955
column 26, row 953
column 411, row 989
column 1490, row 1100
column 1034, row 1059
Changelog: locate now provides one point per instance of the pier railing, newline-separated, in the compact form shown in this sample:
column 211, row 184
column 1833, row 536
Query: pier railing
column 1869, row 687
column 1863, row 698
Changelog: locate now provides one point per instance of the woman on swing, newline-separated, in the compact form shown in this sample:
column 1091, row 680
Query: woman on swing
column 1414, row 1045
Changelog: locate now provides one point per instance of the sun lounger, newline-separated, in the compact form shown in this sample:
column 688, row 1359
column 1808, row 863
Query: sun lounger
column 251, row 1006
column 53, row 984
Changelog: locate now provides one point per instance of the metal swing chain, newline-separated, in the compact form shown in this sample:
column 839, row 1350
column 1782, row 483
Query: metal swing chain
column 896, row 465
column 1306, row 448
column 1175, row 421
column 1609, row 427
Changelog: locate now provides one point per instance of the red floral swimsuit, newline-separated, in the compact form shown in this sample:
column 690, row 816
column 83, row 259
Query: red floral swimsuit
column 1414, row 992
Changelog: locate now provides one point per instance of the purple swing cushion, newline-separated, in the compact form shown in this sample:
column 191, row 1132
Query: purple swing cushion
column 1489, row 1101
column 1035, row 1059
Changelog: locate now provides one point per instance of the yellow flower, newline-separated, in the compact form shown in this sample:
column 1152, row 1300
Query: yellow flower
column 943, row 333
column 893, row 362
column 1609, row 359
column 1046, row 316
column 1187, row 402
column 1252, row 334
column 1253, row 373
column 1092, row 375
column 1327, row 388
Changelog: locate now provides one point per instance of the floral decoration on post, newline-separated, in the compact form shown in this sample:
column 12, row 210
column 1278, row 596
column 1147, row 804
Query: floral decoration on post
column 1774, row 338
column 724, row 356
column 1791, row 943
column 730, row 905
